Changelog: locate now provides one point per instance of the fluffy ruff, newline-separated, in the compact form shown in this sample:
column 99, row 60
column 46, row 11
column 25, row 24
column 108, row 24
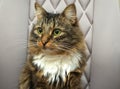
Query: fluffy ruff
column 57, row 66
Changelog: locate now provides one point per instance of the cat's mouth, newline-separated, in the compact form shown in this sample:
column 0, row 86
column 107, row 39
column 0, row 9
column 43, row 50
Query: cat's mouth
column 52, row 51
column 51, row 48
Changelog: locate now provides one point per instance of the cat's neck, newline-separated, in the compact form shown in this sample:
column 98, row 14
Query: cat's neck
column 57, row 66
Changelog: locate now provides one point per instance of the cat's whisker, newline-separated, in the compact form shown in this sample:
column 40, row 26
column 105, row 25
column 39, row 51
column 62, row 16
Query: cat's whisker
column 32, row 45
column 63, row 48
column 32, row 42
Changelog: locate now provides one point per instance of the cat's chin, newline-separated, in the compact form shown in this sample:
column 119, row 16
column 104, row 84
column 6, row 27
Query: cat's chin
column 53, row 52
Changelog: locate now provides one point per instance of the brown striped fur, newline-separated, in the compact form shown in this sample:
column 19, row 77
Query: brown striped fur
column 70, row 39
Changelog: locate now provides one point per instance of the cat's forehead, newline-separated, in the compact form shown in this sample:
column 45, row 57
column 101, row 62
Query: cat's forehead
column 49, row 19
column 51, row 16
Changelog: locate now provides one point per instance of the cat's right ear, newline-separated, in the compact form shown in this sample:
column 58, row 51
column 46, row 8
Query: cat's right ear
column 40, row 12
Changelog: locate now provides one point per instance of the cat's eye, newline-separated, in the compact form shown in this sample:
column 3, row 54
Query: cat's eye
column 39, row 30
column 56, row 32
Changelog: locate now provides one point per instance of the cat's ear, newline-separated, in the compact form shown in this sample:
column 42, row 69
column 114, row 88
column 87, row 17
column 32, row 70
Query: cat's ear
column 70, row 13
column 40, row 12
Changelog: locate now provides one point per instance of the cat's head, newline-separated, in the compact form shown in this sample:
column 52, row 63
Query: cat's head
column 55, row 33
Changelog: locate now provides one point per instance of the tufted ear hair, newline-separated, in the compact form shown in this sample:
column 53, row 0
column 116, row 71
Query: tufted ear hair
column 40, row 12
column 70, row 13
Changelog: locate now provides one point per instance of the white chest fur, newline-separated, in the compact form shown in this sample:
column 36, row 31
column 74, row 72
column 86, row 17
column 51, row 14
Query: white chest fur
column 58, row 65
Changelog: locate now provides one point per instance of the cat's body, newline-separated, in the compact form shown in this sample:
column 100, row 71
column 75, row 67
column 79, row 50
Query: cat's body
column 56, row 52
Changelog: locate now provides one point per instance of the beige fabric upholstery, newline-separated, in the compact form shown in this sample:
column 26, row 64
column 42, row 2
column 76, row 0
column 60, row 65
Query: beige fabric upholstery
column 99, row 21
column 105, row 72
column 13, row 40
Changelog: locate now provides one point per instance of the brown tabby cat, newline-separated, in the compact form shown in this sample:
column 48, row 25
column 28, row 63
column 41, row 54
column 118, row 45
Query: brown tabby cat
column 56, row 52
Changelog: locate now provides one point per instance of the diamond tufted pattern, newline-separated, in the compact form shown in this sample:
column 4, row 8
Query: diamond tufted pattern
column 85, row 17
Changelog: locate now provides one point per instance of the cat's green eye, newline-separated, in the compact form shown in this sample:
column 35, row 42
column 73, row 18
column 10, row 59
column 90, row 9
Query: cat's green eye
column 39, row 30
column 56, row 32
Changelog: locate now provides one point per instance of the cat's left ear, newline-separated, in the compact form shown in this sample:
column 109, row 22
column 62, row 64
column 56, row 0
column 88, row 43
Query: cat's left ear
column 70, row 13
column 40, row 12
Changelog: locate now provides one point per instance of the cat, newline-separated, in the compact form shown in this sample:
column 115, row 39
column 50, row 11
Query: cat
column 56, row 51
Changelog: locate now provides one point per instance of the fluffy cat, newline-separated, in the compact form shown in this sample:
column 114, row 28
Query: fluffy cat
column 56, row 52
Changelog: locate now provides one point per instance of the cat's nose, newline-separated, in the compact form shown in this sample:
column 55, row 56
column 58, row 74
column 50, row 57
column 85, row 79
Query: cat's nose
column 44, row 40
column 44, row 43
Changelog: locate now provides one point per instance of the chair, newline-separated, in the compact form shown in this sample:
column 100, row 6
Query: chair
column 99, row 21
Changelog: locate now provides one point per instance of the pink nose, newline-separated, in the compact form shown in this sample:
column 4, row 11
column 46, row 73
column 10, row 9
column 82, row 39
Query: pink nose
column 45, row 40
column 40, row 44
